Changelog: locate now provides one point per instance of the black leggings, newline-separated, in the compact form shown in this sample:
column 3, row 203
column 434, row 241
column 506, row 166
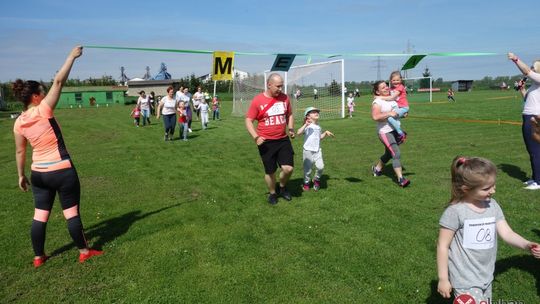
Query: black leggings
column 44, row 187
column 46, row 184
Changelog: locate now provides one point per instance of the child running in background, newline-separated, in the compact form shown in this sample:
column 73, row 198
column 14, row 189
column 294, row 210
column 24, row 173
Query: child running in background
column 203, row 109
column 312, row 153
column 450, row 95
column 182, row 120
column 350, row 104
column 398, row 92
column 136, row 114
column 467, row 245
column 215, row 108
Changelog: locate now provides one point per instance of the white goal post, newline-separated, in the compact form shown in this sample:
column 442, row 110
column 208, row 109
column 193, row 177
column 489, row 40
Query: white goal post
column 320, row 85
column 413, row 85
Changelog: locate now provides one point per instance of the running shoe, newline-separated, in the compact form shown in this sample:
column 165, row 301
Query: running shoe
column 533, row 186
column 91, row 252
column 529, row 182
column 403, row 182
column 316, row 185
column 40, row 261
column 273, row 198
column 306, row 186
column 283, row 192
column 401, row 138
column 375, row 171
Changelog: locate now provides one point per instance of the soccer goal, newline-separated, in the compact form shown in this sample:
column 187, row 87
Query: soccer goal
column 319, row 85
column 419, row 89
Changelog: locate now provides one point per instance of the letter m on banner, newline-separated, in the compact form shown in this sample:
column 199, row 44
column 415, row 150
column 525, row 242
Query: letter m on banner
column 223, row 63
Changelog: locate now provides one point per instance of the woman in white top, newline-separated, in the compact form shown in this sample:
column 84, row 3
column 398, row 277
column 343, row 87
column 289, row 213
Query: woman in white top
column 531, row 108
column 143, row 103
column 380, row 111
column 167, row 107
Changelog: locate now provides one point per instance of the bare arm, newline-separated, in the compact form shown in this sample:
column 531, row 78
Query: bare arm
column 302, row 128
column 326, row 133
column 158, row 112
column 251, row 130
column 377, row 115
column 520, row 64
column 443, row 244
column 290, row 123
column 510, row 237
column 56, row 88
column 20, row 156
column 393, row 96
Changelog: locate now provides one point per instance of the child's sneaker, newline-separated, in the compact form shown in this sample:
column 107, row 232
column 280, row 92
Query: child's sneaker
column 91, row 252
column 403, row 182
column 40, row 261
column 316, row 185
column 375, row 171
column 306, row 186
column 401, row 138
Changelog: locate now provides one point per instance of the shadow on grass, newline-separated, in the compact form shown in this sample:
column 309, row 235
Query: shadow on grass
column 435, row 297
column 353, row 180
column 388, row 171
column 108, row 230
column 513, row 171
column 525, row 263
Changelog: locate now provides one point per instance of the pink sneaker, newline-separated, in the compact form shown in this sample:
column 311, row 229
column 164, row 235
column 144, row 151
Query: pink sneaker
column 306, row 186
column 91, row 252
column 316, row 185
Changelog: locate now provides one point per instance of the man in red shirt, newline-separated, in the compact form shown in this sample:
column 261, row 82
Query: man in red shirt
column 273, row 113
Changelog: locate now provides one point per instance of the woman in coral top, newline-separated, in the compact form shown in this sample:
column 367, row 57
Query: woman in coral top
column 52, row 169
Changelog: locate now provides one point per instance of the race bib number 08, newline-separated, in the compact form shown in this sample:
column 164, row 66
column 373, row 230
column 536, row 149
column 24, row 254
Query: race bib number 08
column 277, row 109
column 479, row 233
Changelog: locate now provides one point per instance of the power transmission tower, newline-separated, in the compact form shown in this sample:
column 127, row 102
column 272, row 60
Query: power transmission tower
column 379, row 64
column 408, row 50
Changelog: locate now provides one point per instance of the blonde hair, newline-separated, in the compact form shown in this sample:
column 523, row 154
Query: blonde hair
column 395, row 73
column 536, row 65
column 471, row 172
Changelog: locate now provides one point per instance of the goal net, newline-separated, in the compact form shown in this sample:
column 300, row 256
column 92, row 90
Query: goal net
column 319, row 85
column 420, row 89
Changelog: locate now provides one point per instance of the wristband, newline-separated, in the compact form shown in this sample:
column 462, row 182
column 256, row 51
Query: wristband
column 256, row 138
column 516, row 59
column 291, row 129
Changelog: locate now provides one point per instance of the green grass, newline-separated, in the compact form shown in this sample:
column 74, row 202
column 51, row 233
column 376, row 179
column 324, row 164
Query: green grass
column 188, row 221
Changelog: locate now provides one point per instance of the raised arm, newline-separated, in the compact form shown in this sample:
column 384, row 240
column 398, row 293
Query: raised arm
column 520, row 64
column 56, row 88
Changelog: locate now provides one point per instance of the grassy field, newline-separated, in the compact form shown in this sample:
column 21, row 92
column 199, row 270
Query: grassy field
column 188, row 221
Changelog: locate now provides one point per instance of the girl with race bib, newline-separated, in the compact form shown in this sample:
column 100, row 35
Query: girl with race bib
column 467, row 245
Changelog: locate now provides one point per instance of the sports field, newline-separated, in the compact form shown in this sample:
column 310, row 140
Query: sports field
column 188, row 222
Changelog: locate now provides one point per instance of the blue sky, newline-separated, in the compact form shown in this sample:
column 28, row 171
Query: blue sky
column 35, row 36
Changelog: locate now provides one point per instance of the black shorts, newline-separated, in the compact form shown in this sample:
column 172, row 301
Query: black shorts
column 276, row 152
column 46, row 184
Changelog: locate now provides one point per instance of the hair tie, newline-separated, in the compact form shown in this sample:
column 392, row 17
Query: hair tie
column 461, row 161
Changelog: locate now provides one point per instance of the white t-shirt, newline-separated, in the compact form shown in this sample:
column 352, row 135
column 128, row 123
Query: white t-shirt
column 178, row 96
column 203, row 107
column 312, row 138
column 169, row 105
column 386, row 106
column 350, row 102
column 532, row 101
column 144, row 102
column 197, row 98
